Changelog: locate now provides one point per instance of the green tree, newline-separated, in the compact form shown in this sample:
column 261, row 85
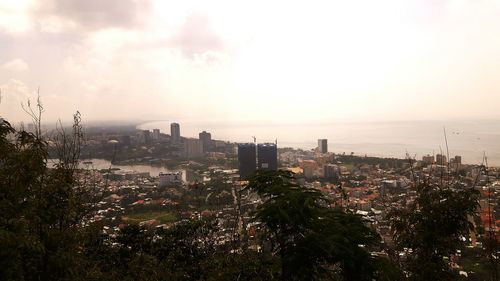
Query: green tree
column 312, row 240
column 41, row 208
column 432, row 228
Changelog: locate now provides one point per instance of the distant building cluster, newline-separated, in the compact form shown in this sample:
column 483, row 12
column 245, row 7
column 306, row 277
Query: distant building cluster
column 441, row 159
column 265, row 156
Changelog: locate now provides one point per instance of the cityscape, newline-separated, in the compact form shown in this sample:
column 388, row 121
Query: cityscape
column 366, row 186
column 158, row 140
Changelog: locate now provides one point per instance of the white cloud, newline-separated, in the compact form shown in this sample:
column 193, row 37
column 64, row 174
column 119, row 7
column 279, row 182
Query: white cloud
column 14, row 16
column 16, row 65
column 14, row 93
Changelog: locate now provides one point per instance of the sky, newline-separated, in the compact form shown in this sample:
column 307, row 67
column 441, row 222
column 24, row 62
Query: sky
column 251, row 61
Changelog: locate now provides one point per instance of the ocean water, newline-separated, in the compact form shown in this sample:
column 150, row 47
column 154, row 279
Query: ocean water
column 469, row 139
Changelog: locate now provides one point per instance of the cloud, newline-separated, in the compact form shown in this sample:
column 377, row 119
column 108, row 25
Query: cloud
column 196, row 36
column 14, row 16
column 17, row 65
column 92, row 15
column 15, row 93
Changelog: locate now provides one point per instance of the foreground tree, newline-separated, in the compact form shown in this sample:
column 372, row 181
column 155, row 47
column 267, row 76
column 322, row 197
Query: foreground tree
column 42, row 209
column 312, row 240
column 432, row 228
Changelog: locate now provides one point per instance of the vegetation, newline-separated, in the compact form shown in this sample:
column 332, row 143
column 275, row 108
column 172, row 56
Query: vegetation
column 161, row 216
column 312, row 240
column 41, row 209
column 432, row 228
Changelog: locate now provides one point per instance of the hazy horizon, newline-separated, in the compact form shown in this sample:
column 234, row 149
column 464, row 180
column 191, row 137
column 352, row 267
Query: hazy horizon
column 469, row 139
column 321, row 61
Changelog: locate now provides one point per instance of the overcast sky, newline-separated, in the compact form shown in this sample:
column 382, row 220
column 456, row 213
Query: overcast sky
column 252, row 61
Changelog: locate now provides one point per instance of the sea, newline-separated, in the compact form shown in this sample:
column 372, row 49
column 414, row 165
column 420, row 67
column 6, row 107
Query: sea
column 478, row 142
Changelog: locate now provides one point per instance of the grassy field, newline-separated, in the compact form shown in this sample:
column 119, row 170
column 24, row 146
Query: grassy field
column 349, row 166
column 161, row 216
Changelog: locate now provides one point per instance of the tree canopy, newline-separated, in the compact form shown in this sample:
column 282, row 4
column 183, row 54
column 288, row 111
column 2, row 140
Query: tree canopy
column 312, row 240
column 431, row 229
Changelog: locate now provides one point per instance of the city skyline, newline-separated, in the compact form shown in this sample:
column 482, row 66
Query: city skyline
column 218, row 61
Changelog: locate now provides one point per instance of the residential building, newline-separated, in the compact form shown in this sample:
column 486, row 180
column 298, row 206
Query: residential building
column 428, row 159
column 143, row 137
column 441, row 159
column 331, row 171
column 156, row 134
column 308, row 168
column 193, row 148
column 206, row 139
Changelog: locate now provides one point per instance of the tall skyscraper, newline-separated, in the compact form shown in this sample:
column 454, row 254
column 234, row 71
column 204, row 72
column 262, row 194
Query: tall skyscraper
column 246, row 159
column 323, row 146
column 206, row 138
column 267, row 156
column 175, row 133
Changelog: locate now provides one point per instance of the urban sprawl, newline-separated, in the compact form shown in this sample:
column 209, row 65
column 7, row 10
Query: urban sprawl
column 206, row 178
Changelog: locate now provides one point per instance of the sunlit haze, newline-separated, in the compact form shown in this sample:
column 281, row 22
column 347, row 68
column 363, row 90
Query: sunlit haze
column 254, row 61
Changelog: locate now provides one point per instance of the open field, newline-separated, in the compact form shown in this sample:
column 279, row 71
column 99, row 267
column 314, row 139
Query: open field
column 161, row 216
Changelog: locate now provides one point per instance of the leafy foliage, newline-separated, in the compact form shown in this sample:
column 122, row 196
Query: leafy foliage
column 312, row 240
column 39, row 210
column 432, row 228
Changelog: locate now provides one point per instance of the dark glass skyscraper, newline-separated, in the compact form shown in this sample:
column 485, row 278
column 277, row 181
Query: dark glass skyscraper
column 267, row 156
column 246, row 159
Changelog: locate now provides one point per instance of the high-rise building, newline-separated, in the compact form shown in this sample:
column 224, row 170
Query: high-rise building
column 193, row 148
column 175, row 133
column 246, row 159
column 456, row 161
column 206, row 139
column 156, row 134
column 323, row 146
column 428, row 159
column 147, row 136
column 331, row 171
column 267, row 156
column 441, row 159
column 143, row 137
column 308, row 167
